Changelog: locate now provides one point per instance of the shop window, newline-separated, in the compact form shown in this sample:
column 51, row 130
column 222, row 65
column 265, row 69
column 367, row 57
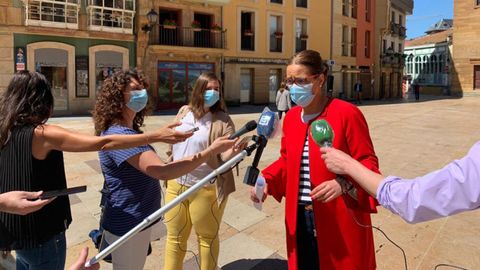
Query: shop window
column 301, row 36
column 246, row 85
column 276, row 34
column 247, row 28
column 106, row 64
column 274, row 83
column 111, row 15
column 52, row 63
column 62, row 14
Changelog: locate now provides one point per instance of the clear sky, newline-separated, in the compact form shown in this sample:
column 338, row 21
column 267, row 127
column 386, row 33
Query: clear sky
column 426, row 13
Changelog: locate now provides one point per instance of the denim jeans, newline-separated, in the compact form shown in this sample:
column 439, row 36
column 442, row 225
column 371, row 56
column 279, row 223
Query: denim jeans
column 307, row 251
column 47, row 256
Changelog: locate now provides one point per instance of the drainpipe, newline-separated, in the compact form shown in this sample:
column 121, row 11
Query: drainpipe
column 383, row 33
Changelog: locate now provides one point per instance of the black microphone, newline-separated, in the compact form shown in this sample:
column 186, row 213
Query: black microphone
column 251, row 125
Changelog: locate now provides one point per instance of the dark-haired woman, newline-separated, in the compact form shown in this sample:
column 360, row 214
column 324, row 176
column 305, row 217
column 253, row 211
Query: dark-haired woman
column 132, row 175
column 31, row 159
column 321, row 208
column 204, row 210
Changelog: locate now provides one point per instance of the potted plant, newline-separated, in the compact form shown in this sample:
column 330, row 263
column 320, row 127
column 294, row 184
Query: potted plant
column 248, row 32
column 169, row 24
column 216, row 28
column 196, row 26
column 278, row 34
column 303, row 36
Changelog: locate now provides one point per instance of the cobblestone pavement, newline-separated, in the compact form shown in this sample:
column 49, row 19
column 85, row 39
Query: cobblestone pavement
column 410, row 138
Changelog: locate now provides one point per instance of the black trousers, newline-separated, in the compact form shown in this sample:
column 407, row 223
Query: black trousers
column 280, row 114
column 307, row 250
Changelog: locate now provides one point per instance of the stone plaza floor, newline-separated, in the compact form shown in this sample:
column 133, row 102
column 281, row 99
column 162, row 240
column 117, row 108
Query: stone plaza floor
column 410, row 139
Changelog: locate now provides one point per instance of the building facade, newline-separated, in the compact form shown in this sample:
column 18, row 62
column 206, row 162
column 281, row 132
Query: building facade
column 391, row 45
column 247, row 43
column 180, row 41
column 262, row 35
column 466, row 53
column 428, row 60
column 75, row 44
column 354, row 49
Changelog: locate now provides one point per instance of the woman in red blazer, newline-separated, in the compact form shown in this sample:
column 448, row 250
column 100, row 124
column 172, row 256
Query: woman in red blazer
column 321, row 209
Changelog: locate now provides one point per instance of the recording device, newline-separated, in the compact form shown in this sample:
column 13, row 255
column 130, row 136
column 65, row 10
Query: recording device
column 62, row 192
column 259, row 186
column 249, row 126
column 192, row 130
column 267, row 128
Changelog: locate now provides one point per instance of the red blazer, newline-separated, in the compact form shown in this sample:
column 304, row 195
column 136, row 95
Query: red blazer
column 342, row 244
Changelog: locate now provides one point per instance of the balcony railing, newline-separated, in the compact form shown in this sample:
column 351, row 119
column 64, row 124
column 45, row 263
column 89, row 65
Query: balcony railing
column 110, row 19
column 393, row 60
column 394, row 29
column 402, row 32
column 187, row 37
column 52, row 14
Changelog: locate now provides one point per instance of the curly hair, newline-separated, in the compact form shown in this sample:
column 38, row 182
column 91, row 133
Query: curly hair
column 110, row 101
column 28, row 100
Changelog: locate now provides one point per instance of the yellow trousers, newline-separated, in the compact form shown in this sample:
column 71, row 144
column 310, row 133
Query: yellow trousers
column 202, row 211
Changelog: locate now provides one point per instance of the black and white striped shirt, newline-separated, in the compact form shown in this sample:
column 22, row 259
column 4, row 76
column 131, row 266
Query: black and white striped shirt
column 305, row 187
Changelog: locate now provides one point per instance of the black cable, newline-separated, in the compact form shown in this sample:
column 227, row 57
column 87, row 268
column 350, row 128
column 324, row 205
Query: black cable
column 449, row 265
column 384, row 234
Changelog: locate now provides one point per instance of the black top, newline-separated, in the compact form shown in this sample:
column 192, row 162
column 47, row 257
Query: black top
column 19, row 170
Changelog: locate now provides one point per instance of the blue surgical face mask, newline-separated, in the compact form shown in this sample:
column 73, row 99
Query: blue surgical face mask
column 302, row 95
column 138, row 100
column 211, row 97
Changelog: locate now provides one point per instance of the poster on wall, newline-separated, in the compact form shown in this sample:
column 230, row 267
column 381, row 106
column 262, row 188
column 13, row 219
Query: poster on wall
column 81, row 68
column 20, row 58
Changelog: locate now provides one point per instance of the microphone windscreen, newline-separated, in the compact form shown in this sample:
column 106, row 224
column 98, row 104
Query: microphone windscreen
column 321, row 132
column 267, row 124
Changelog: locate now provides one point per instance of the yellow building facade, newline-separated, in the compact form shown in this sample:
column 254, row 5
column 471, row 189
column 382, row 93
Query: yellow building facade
column 262, row 35
column 247, row 43
column 466, row 53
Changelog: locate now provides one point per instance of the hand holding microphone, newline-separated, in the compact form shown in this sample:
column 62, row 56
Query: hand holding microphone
column 322, row 134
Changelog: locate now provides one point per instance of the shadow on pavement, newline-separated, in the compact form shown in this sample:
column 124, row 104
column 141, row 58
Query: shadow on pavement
column 257, row 264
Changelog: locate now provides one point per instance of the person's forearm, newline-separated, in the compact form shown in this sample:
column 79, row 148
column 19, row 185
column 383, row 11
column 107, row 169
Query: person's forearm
column 180, row 167
column 367, row 179
column 114, row 142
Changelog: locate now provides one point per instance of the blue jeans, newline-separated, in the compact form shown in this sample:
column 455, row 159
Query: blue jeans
column 47, row 256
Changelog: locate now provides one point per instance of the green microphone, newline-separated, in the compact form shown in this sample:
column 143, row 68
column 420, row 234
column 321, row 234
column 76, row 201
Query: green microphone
column 322, row 133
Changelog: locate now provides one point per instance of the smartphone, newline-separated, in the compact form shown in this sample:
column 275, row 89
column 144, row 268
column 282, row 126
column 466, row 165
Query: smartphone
column 192, row 130
column 62, row 192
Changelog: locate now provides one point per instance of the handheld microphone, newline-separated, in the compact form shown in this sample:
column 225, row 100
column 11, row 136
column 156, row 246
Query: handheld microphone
column 267, row 125
column 249, row 126
column 322, row 133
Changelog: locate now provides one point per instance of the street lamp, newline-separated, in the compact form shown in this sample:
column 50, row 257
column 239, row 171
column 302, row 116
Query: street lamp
column 152, row 17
